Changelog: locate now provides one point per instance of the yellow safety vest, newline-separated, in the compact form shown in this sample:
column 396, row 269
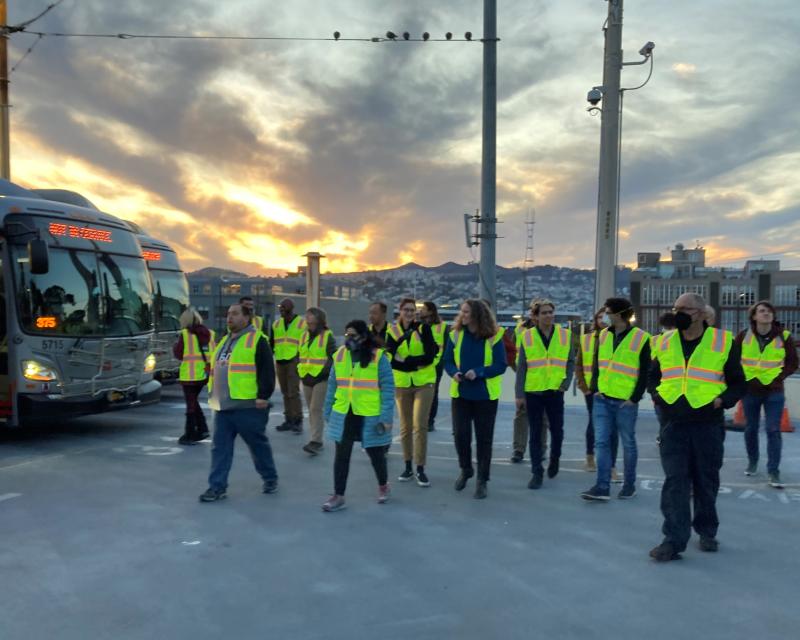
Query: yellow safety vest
column 258, row 323
column 587, row 355
column 313, row 354
column 618, row 369
column 242, row 380
column 357, row 387
column 546, row 368
column 701, row 379
column 193, row 362
column 406, row 348
column 438, row 331
column 287, row 339
column 494, row 385
column 764, row 365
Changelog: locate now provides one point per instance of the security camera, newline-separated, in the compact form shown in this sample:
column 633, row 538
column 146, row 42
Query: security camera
column 594, row 96
column 647, row 49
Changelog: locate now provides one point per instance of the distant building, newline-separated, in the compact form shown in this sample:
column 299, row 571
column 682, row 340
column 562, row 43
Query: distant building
column 656, row 283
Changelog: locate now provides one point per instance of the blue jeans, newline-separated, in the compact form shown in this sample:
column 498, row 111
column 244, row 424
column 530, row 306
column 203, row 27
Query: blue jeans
column 773, row 409
column 610, row 415
column 251, row 424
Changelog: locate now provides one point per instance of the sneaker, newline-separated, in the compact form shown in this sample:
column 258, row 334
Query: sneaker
column 431, row 427
column 752, row 467
column 186, row 440
column 627, row 492
column 596, row 493
column 270, row 486
column 407, row 475
column 708, row 544
column 422, row 479
column 466, row 474
column 774, row 480
column 313, row 448
column 664, row 553
column 517, row 457
column 334, row 503
column 297, row 427
column 286, row 426
column 383, row 493
column 591, row 465
column 212, row 495
column 480, row 490
column 552, row 468
column 535, row 482
column 615, row 476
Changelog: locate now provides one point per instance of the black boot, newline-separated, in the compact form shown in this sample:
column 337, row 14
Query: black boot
column 286, row 426
column 201, row 432
column 297, row 426
column 552, row 469
column 189, row 430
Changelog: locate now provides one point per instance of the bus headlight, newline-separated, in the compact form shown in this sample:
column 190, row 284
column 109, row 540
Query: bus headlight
column 149, row 363
column 33, row 370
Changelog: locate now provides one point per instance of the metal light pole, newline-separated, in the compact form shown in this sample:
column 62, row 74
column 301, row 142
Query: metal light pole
column 487, row 281
column 5, row 153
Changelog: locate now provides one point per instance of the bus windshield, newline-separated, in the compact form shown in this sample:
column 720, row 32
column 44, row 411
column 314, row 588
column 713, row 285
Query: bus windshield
column 171, row 296
column 85, row 293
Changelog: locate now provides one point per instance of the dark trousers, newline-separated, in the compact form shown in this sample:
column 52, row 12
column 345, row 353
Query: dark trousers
column 435, row 404
column 341, row 464
column 691, row 456
column 191, row 393
column 482, row 414
column 251, row 424
column 589, row 399
column 551, row 403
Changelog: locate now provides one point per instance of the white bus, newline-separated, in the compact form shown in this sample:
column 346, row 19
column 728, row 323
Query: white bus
column 76, row 311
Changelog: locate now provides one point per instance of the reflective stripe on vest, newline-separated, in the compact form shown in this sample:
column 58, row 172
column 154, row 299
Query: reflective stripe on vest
column 357, row 387
column 701, row 379
column 287, row 339
column 193, row 364
column 242, row 381
column 406, row 348
column 314, row 354
column 546, row 368
column 258, row 323
column 494, row 385
column 618, row 369
column 587, row 356
column 764, row 365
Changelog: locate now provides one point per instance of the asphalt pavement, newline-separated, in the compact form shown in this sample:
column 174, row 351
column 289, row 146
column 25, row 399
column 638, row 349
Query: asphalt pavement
column 103, row 537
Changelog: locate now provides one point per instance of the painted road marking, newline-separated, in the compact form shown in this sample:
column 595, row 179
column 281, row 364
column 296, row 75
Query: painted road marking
column 9, row 496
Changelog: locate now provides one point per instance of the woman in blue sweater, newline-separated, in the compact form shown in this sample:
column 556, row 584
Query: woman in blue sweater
column 475, row 359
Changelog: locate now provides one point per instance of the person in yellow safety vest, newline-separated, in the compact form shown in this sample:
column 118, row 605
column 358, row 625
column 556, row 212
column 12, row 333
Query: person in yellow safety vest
column 544, row 371
column 584, row 362
column 241, row 381
column 317, row 346
column 520, row 439
column 667, row 323
column 195, row 343
column 619, row 380
column 285, row 342
column 377, row 322
column 475, row 359
column 258, row 321
column 696, row 375
column 359, row 406
column 412, row 350
column 429, row 314
column 769, row 357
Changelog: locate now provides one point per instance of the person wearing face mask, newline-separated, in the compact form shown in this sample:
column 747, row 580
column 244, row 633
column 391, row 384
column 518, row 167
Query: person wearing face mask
column 317, row 345
column 429, row 314
column 696, row 375
column 544, row 372
column 412, row 350
column 768, row 358
column 619, row 379
column 359, row 407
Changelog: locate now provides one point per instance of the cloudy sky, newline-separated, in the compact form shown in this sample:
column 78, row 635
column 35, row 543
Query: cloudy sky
column 249, row 154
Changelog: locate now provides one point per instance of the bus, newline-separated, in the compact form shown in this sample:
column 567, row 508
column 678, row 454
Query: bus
column 76, row 311
column 171, row 290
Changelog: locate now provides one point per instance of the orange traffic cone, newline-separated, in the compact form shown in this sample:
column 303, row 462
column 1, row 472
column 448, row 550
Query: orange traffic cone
column 786, row 423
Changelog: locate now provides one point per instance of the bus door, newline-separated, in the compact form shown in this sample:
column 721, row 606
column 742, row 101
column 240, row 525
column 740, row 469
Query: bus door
column 6, row 386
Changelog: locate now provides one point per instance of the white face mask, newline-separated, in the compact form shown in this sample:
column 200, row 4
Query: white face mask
column 606, row 320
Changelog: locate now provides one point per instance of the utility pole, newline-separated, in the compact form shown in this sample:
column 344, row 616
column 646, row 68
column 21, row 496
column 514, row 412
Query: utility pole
column 608, row 192
column 487, row 280
column 528, row 262
column 5, row 153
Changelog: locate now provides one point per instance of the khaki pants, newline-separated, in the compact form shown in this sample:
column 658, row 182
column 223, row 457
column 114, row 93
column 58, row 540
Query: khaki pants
column 413, row 409
column 289, row 382
column 521, row 430
column 315, row 400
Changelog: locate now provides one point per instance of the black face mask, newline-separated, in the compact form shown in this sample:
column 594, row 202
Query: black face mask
column 683, row 320
column 354, row 343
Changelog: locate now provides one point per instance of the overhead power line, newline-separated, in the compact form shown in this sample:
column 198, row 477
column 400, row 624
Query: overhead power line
column 22, row 25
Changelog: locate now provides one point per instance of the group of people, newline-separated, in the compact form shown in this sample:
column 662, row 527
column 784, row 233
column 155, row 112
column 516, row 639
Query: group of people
column 692, row 370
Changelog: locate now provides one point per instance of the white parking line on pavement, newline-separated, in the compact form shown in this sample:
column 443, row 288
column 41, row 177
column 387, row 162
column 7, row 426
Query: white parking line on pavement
column 9, row 496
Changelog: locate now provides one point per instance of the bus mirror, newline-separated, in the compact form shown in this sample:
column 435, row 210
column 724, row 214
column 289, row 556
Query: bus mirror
column 38, row 257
